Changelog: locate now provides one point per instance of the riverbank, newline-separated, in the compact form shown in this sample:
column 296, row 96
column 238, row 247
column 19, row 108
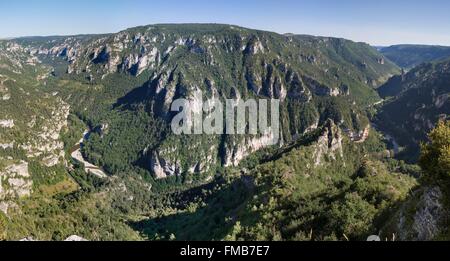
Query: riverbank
column 76, row 154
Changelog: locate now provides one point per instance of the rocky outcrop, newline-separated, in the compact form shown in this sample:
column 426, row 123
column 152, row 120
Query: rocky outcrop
column 165, row 162
column 238, row 150
column 254, row 82
column 441, row 100
column 312, row 127
column 320, row 89
column 420, row 218
column 163, row 168
column 7, row 123
column 135, row 64
column 254, row 47
column 75, row 238
column 5, row 97
column 428, row 215
column 101, row 55
column 273, row 86
column 329, row 143
column 6, row 145
column 15, row 182
column 7, row 205
column 297, row 90
column 4, row 91
column 359, row 137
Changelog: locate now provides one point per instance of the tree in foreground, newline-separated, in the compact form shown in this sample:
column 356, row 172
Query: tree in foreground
column 435, row 156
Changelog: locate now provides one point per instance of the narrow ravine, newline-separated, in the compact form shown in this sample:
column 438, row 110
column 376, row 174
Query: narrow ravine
column 392, row 141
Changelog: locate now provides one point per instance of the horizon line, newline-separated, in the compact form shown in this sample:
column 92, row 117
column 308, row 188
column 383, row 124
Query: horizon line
column 8, row 38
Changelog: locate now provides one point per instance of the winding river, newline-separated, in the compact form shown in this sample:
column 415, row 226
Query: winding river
column 76, row 154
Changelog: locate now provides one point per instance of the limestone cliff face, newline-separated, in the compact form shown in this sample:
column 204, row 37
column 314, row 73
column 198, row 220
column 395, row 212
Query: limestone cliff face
column 329, row 143
column 166, row 163
column 237, row 150
column 163, row 168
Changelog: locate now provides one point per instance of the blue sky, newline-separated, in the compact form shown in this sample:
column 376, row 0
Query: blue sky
column 379, row 22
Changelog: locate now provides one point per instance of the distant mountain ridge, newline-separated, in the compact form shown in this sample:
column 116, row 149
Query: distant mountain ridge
column 408, row 56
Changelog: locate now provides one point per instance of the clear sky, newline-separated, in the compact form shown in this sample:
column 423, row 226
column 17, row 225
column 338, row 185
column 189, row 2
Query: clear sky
column 378, row 22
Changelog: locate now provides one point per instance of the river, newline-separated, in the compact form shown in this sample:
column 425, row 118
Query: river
column 76, row 154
